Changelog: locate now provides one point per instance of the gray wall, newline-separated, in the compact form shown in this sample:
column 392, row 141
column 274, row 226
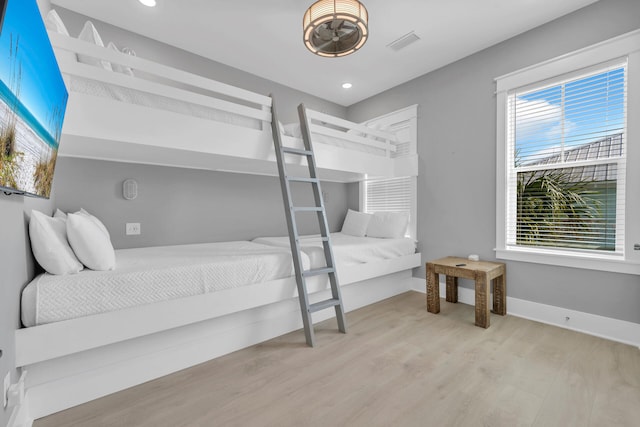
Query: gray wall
column 287, row 98
column 457, row 147
column 177, row 206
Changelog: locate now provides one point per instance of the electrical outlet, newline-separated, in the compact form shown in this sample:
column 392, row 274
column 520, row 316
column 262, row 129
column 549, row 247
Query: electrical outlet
column 5, row 389
column 133, row 228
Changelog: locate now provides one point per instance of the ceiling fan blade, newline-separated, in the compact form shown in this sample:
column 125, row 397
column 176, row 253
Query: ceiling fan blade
column 325, row 33
column 336, row 24
column 325, row 45
column 344, row 31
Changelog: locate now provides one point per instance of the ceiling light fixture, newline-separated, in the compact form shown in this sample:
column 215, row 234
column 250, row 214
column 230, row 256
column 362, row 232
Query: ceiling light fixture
column 335, row 27
column 149, row 3
column 346, row 85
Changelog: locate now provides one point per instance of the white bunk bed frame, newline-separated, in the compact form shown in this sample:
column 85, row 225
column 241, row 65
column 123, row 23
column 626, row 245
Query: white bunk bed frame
column 78, row 360
column 138, row 134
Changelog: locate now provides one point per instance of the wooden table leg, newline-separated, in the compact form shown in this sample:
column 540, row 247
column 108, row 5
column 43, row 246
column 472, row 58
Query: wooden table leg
column 500, row 295
column 433, row 290
column 482, row 299
column 452, row 289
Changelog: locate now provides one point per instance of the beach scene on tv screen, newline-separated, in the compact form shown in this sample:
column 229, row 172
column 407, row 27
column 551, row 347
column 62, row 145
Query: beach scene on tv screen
column 33, row 99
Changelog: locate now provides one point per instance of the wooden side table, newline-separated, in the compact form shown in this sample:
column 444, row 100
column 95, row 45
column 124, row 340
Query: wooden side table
column 483, row 272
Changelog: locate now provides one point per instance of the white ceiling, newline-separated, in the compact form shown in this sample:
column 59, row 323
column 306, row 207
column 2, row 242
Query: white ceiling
column 264, row 37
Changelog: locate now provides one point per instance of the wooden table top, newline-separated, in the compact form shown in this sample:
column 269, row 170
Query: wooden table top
column 451, row 261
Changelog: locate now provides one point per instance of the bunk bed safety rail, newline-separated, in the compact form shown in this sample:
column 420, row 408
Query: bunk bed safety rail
column 336, row 127
column 176, row 84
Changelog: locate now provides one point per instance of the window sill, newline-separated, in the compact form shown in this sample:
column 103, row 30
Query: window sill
column 583, row 261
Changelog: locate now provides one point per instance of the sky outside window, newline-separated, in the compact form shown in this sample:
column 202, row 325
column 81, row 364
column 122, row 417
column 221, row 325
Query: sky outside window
column 569, row 115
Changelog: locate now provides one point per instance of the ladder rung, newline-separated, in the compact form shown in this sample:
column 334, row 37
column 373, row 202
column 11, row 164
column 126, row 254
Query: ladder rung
column 298, row 151
column 303, row 179
column 323, row 304
column 318, row 271
column 306, row 208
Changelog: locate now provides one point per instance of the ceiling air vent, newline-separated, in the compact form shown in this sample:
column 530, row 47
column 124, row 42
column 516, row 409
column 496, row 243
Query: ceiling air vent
column 403, row 41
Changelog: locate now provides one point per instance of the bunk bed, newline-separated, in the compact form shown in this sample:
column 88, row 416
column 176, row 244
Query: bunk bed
column 160, row 115
column 163, row 273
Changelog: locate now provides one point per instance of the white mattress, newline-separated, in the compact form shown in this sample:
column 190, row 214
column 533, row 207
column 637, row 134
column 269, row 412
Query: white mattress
column 148, row 275
column 145, row 99
column 347, row 250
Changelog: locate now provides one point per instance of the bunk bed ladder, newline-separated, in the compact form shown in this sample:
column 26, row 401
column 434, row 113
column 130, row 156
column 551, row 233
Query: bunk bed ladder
column 294, row 238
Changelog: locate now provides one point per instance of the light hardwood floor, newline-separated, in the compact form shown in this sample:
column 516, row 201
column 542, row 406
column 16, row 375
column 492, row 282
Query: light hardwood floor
column 397, row 366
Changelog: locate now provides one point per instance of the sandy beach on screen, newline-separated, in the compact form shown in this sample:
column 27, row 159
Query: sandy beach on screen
column 34, row 149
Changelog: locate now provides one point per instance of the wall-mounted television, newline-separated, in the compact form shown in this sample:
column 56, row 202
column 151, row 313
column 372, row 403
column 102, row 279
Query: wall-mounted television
column 3, row 6
column 33, row 100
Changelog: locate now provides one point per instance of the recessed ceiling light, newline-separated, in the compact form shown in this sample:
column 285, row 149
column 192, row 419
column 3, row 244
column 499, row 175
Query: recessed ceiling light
column 346, row 85
column 150, row 3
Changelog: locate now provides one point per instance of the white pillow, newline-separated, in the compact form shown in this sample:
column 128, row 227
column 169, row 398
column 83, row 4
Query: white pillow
column 53, row 23
column 90, row 34
column 96, row 221
column 49, row 245
column 293, row 129
column 388, row 225
column 89, row 242
column 355, row 223
column 129, row 51
column 117, row 67
column 60, row 214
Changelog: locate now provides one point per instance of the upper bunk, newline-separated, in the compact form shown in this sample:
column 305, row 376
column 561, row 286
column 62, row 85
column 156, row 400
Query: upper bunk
column 125, row 108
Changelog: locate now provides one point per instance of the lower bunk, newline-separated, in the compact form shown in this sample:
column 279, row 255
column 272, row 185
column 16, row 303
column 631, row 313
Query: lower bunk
column 73, row 361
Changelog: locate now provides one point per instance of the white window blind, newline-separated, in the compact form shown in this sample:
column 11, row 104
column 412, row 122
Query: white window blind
column 388, row 195
column 391, row 195
column 566, row 160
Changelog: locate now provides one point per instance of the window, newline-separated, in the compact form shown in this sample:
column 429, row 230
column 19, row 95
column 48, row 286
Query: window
column 391, row 195
column 566, row 161
column 563, row 159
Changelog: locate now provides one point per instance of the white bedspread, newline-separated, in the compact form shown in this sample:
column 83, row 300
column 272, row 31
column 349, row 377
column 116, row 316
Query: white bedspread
column 147, row 275
column 347, row 250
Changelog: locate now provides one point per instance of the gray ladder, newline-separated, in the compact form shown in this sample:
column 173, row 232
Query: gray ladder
column 294, row 238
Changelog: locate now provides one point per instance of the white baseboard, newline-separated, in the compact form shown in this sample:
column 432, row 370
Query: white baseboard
column 20, row 416
column 65, row 382
column 591, row 324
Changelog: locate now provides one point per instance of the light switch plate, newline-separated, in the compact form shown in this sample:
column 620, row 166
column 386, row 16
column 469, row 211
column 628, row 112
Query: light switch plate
column 133, row 228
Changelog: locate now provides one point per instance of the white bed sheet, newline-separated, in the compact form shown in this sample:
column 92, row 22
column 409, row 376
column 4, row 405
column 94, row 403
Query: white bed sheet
column 148, row 275
column 145, row 99
column 347, row 250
